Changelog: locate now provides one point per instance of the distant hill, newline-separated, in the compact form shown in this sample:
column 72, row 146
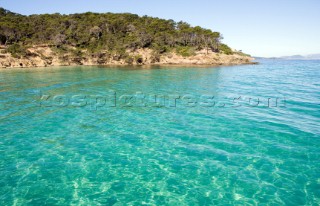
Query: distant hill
column 294, row 57
column 300, row 57
column 314, row 56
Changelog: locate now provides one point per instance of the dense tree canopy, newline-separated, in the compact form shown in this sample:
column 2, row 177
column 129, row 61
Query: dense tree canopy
column 113, row 32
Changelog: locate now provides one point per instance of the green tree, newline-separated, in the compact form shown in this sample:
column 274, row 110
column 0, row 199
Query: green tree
column 113, row 32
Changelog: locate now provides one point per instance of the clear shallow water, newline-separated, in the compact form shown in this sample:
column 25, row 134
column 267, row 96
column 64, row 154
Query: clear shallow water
column 230, row 153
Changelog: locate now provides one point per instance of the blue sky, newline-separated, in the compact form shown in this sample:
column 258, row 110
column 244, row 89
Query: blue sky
column 260, row 28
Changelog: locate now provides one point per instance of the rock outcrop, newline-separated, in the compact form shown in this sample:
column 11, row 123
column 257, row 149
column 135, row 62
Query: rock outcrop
column 44, row 56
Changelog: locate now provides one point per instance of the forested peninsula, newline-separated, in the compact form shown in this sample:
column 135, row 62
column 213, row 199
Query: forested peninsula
column 108, row 39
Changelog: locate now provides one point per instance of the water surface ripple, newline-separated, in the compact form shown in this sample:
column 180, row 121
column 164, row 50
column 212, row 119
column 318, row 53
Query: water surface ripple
column 234, row 152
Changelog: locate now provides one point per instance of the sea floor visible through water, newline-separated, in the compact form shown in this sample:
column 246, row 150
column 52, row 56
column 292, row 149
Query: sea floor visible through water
column 243, row 135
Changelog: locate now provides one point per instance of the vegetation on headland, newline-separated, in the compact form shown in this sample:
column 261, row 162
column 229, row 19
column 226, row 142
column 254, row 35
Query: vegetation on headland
column 105, row 35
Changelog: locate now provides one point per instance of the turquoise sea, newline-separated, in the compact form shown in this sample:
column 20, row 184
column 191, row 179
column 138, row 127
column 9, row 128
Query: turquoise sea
column 240, row 135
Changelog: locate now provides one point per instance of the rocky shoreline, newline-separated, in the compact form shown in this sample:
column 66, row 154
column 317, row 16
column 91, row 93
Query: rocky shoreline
column 45, row 56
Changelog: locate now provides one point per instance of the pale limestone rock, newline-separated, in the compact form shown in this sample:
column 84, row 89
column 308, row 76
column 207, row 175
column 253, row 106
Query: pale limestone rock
column 43, row 56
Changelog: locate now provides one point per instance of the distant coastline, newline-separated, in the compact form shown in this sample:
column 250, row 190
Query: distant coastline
column 295, row 57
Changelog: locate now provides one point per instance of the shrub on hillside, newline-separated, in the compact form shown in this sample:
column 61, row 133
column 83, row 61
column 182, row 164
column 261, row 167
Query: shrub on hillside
column 225, row 49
